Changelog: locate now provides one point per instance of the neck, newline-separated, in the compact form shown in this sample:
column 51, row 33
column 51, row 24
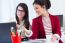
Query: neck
column 20, row 20
column 45, row 14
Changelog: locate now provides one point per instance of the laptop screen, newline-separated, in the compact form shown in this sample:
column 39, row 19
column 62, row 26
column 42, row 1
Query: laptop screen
column 5, row 29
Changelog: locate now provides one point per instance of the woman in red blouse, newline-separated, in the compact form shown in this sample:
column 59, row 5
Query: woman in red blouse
column 45, row 23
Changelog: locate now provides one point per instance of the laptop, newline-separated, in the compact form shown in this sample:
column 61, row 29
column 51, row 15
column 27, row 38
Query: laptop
column 5, row 32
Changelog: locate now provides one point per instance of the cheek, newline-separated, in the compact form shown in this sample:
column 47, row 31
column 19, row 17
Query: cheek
column 18, row 13
column 21, row 16
column 39, row 11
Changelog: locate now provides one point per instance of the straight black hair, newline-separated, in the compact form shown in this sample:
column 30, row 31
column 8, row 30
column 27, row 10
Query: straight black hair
column 26, row 17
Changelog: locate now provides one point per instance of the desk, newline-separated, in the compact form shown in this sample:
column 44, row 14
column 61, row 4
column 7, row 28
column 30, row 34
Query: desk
column 35, row 41
column 38, row 41
column 17, row 40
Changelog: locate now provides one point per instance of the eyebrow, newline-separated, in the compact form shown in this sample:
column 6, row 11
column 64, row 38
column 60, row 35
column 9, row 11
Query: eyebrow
column 20, row 10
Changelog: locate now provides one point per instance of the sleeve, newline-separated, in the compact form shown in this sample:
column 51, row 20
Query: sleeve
column 19, row 31
column 29, row 35
column 34, row 29
column 57, row 30
column 57, row 36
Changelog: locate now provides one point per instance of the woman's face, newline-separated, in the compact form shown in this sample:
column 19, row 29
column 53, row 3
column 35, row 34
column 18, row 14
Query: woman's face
column 39, row 9
column 20, row 12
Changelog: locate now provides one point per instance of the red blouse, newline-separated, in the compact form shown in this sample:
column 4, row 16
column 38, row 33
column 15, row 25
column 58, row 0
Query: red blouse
column 38, row 29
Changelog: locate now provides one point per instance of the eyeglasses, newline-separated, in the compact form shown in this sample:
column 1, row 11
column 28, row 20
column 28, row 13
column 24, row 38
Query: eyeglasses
column 20, row 10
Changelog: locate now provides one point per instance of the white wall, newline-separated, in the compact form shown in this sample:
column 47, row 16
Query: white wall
column 57, row 6
column 7, row 10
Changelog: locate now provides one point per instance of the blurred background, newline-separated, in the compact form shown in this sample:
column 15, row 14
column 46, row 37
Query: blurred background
column 8, row 8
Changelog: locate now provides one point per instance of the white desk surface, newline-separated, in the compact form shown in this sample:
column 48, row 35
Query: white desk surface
column 38, row 41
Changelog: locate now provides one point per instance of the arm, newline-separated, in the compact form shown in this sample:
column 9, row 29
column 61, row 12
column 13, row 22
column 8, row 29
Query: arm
column 28, row 33
column 58, row 27
column 34, row 29
column 57, row 30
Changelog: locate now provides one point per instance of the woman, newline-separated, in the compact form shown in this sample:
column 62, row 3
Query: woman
column 22, row 24
column 45, row 24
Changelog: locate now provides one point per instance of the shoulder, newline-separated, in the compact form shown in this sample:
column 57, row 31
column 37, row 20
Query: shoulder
column 37, row 18
column 54, row 16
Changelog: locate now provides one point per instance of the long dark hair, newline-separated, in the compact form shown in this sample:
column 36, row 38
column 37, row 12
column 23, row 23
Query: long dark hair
column 26, row 17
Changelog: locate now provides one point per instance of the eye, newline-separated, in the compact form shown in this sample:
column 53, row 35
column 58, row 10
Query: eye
column 36, row 8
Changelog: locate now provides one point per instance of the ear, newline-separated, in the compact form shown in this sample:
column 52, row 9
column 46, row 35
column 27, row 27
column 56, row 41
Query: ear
column 44, row 6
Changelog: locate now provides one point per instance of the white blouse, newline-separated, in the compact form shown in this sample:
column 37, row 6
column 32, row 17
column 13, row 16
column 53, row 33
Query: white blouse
column 47, row 27
column 22, row 33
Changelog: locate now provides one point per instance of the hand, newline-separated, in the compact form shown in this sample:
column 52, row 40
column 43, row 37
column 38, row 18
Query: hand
column 54, row 38
column 17, row 26
column 25, row 30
